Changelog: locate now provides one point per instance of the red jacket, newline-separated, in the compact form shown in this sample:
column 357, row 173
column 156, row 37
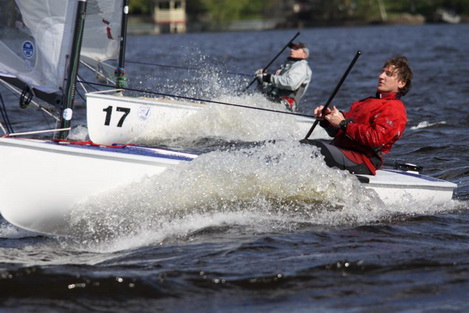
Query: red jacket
column 377, row 123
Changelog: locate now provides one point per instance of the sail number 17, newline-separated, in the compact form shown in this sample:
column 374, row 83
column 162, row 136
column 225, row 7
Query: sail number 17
column 109, row 110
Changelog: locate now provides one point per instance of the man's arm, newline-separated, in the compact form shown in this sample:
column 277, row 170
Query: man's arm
column 292, row 78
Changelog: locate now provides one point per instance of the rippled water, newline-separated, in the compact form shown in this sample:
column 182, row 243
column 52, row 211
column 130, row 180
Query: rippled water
column 234, row 233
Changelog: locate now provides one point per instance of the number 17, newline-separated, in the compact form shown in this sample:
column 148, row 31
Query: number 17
column 108, row 111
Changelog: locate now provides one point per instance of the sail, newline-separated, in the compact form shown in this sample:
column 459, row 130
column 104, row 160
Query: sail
column 102, row 34
column 36, row 41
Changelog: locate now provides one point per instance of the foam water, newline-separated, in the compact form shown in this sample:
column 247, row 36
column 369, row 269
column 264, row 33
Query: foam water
column 276, row 185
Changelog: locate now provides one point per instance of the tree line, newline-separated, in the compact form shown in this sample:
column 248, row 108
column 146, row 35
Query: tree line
column 307, row 12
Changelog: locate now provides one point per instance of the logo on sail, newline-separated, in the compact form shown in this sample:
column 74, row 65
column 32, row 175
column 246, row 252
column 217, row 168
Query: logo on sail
column 28, row 49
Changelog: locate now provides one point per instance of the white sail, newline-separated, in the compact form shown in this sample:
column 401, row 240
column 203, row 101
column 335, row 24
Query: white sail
column 102, row 34
column 36, row 39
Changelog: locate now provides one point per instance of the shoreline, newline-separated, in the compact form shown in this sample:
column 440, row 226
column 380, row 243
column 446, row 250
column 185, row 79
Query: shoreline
column 137, row 26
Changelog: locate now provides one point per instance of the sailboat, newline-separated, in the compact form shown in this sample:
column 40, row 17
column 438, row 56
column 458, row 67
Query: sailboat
column 113, row 117
column 41, row 42
column 42, row 179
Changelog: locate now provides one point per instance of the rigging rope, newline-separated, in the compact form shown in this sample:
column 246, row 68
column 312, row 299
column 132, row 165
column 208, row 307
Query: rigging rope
column 17, row 93
column 91, row 143
column 5, row 118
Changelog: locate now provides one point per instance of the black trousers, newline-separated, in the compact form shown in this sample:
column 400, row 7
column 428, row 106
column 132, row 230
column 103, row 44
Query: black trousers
column 334, row 157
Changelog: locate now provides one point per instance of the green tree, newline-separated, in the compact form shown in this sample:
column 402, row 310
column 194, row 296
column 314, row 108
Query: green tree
column 141, row 7
column 222, row 11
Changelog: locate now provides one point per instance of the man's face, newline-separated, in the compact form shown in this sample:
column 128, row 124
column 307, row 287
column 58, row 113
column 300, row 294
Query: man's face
column 297, row 53
column 388, row 80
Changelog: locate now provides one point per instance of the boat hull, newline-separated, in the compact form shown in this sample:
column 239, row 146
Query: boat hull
column 112, row 118
column 396, row 186
column 42, row 181
column 42, row 178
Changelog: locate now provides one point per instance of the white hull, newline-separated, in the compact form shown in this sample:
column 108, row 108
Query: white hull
column 42, row 179
column 394, row 186
column 119, row 119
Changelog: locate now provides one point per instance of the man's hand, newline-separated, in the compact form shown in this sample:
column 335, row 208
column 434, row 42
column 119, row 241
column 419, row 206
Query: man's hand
column 318, row 112
column 259, row 72
column 334, row 117
column 262, row 76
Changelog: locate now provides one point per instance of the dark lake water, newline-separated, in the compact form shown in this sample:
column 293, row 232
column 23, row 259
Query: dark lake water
column 234, row 235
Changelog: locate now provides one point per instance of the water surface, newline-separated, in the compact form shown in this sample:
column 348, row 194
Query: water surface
column 269, row 230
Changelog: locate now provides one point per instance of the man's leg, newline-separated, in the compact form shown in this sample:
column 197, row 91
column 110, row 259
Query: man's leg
column 335, row 157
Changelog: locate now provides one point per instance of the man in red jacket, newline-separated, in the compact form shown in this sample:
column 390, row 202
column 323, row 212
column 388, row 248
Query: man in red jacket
column 372, row 125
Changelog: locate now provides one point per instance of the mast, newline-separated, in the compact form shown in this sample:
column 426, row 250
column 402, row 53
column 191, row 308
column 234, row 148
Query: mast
column 69, row 94
column 120, row 71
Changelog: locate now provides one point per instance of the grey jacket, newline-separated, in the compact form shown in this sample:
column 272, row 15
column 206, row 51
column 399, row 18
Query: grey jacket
column 291, row 80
